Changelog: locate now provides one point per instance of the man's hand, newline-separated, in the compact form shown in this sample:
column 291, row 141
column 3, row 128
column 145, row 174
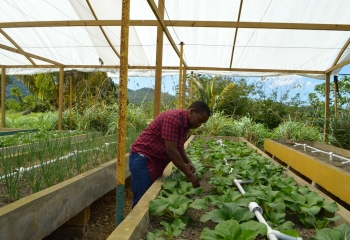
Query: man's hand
column 191, row 167
column 194, row 180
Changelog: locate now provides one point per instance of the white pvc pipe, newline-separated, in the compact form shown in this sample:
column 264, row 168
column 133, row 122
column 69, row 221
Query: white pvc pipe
column 331, row 154
column 257, row 210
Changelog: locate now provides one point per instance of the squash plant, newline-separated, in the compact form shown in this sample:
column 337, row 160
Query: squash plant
column 226, row 207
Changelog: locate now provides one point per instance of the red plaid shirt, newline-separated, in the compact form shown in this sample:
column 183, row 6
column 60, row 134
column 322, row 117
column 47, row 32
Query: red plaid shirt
column 170, row 125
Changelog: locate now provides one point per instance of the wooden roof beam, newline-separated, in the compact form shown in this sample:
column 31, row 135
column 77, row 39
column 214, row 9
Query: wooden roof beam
column 165, row 29
column 26, row 54
column 236, row 33
column 16, row 45
column 338, row 66
column 102, row 30
column 180, row 23
column 291, row 71
column 341, row 52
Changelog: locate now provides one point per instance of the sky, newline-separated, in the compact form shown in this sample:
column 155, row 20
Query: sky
column 304, row 85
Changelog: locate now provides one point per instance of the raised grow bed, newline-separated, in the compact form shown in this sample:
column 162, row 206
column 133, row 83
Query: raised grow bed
column 316, row 167
column 55, row 180
column 219, row 211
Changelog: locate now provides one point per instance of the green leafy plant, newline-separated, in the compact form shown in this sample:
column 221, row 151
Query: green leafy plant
column 172, row 206
column 170, row 230
column 232, row 230
column 341, row 232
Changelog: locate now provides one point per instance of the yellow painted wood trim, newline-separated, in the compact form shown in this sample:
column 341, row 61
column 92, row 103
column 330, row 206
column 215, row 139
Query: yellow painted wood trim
column 332, row 179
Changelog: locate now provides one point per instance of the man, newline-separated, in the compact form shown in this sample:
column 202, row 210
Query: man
column 161, row 142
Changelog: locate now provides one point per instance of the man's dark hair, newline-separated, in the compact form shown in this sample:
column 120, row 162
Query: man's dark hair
column 200, row 107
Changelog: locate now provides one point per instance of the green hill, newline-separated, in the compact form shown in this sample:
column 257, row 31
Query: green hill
column 134, row 96
column 146, row 95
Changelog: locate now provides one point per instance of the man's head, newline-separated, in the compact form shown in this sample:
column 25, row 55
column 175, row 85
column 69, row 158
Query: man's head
column 198, row 113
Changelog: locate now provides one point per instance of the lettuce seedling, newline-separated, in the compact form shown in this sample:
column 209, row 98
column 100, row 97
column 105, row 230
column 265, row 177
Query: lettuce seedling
column 170, row 230
column 232, row 230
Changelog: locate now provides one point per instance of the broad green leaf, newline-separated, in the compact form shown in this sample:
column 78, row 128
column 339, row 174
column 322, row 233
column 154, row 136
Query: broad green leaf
column 313, row 210
column 328, row 234
column 247, row 235
column 330, row 207
column 157, row 206
column 199, row 204
column 344, row 229
column 243, row 215
column 258, row 227
column 228, row 228
column 312, row 198
column 207, row 234
column 290, row 232
column 278, row 205
column 218, row 215
column 170, row 185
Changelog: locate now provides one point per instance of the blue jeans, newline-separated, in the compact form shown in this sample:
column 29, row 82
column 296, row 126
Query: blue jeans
column 140, row 179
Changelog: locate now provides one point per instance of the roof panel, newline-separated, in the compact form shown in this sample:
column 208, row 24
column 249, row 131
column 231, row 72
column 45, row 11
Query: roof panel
column 11, row 58
column 36, row 10
column 296, row 11
column 287, row 49
column 205, row 10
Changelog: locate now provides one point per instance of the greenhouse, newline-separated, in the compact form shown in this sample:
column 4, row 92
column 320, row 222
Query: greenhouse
column 66, row 53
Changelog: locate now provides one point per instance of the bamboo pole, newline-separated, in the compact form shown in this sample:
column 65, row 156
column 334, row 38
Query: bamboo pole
column 326, row 112
column 60, row 98
column 70, row 100
column 191, row 88
column 3, row 96
column 159, row 63
column 122, row 111
column 180, row 77
column 183, row 95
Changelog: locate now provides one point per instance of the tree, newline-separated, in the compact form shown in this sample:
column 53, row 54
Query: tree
column 15, row 91
column 208, row 89
column 234, row 98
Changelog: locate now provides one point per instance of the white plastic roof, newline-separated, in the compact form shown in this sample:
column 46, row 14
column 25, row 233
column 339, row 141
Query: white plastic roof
column 229, row 37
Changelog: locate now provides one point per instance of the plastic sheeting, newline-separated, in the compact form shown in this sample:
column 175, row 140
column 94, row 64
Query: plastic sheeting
column 206, row 48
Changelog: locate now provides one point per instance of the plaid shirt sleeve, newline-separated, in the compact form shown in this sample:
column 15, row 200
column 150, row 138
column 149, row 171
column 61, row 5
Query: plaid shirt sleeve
column 171, row 128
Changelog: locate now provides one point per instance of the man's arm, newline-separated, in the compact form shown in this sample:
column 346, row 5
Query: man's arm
column 187, row 160
column 180, row 162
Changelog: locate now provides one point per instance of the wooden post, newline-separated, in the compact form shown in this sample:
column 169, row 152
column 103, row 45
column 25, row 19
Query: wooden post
column 122, row 111
column 191, row 88
column 180, row 77
column 335, row 97
column 183, row 94
column 326, row 112
column 60, row 98
column 159, row 63
column 70, row 100
column 3, row 96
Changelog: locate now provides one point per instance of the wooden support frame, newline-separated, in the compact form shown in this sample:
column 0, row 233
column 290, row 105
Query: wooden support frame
column 180, row 23
column 102, row 30
column 3, row 96
column 326, row 112
column 16, row 45
column 122, row 111
column 26, row 54
column 165, row 29
column 159, row 63
column 236, row 33
column 180, row 77
column 60, row 98
column 183, row 88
